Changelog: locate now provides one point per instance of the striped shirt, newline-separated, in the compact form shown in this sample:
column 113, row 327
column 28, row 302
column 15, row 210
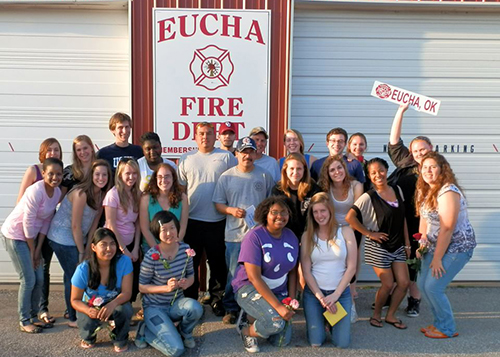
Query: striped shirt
column 153, row 272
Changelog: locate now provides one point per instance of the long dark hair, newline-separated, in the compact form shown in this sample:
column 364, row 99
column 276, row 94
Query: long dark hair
column 94, row 273
column 175, row 194
column 87, row 185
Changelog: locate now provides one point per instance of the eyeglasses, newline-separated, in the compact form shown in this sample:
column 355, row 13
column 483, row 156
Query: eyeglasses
column 279, row 213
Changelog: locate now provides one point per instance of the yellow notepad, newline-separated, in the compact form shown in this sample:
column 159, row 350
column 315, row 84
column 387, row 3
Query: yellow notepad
column 334, row 318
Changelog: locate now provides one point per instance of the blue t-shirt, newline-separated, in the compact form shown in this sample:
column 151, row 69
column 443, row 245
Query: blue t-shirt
column 81, row 280
column 275, row 256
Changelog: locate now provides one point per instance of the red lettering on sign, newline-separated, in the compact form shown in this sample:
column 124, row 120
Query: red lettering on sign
column 182, row 25
column 177, row 127
column 165, row 28
column 183, row 130
column 235, row 26
column 216, row 106
column 405, row 98
column 255, row 31
column 203, row 25
column 433, row 107
column 427, row 104
column 394, row 94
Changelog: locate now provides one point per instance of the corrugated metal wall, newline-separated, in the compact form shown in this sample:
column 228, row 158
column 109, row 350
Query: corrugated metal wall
column 451, row 54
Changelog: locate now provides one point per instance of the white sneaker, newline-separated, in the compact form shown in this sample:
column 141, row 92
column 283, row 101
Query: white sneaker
column 250, row 344
column 354, row 314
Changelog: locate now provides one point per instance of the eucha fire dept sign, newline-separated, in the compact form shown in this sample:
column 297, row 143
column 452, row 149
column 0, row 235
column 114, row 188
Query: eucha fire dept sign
column 209, row 65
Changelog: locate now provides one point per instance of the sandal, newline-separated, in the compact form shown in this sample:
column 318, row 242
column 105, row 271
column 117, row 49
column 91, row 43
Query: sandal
column 119, row 349
column 376, row 323
column 438, row 334
column 397, row 324
column 72, row 324
column 428, row 328
column 37, row 329
column 45, row 317
column 43, row 324
column 84, row 344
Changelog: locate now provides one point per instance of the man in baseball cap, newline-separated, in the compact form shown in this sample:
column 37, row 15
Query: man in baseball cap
column 268, row 163
column 227, row 135
column 238, row 189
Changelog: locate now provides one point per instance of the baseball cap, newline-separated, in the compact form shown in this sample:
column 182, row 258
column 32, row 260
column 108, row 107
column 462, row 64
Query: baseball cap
column 246, row 143
column 259, row 130
column 226, row 126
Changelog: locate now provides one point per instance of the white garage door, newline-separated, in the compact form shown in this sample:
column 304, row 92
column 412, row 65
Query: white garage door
column 63, row 72
column 446, row 53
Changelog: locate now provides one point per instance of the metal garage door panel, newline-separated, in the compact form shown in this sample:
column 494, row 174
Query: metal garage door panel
column 450, row 55
column 64, row 72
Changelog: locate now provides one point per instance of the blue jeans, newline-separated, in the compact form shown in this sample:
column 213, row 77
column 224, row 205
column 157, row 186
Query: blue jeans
column 232, row 254
column 160, row 331
column 47, row 254
column 31, row 280
column 68, row 258
column 433, row 289
column 268, row 323
column 315, row 321
column 121, row 316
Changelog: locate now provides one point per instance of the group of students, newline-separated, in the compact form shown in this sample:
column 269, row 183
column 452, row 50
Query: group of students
column 270, row 229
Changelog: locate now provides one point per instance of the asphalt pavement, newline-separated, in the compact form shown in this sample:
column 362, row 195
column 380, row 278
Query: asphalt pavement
column 477, row 312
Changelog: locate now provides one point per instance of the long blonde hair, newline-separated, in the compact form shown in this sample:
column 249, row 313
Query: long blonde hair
column 425, row 195
column 305, row 181
column 298, row 135
column 120, row 185
column 78, row 171
column 312, row 226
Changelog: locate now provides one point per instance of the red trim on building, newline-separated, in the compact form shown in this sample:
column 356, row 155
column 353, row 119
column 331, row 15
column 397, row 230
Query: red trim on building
column 142, row 61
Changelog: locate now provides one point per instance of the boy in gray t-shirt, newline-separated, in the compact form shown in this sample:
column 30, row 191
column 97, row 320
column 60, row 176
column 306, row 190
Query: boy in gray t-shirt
column 237, row 189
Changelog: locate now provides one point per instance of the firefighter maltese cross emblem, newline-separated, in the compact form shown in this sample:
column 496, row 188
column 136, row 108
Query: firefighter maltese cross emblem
column 211, row 67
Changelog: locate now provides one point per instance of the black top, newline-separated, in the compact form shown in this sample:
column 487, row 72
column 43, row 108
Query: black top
column 114, row 153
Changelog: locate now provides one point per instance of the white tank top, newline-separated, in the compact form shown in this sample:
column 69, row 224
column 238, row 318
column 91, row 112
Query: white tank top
column 329, row 261
column 342, row 207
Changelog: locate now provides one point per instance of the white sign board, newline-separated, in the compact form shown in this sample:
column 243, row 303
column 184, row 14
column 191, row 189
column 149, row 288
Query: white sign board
column 397, row 95
column 209, row 65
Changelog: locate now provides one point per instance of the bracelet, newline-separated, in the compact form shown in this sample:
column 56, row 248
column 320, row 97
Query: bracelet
column 407, row 247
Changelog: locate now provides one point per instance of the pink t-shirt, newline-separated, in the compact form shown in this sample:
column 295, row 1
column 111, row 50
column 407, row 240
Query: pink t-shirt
column 125, row 222
column 33, row 213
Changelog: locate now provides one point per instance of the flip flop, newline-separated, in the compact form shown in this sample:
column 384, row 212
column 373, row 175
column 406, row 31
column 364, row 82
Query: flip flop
column 119, row 349
column 376, row 323
column 37, row 329
column 428, row 328
column 45, row 317
column 397, row 324
column 86, row 345
column 438, row 334
column 43, row 324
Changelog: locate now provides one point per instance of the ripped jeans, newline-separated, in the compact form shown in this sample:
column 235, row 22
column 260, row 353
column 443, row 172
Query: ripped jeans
column 268, row 323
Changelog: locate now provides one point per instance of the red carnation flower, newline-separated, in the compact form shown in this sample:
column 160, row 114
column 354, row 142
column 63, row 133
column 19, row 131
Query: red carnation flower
column 155, row 256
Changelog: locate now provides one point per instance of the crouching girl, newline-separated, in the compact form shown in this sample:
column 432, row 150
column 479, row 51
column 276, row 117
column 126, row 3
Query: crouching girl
column 166, row 271
column 101, row 289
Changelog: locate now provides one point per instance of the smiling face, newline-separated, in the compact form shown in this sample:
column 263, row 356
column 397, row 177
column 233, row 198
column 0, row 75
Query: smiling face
column 129, row 176
column 321, row 214
column 52, row 175
column 84, row 152
column 336, row 144
column 430, row 171
column 292, row 143
column 152, row 151
column 377, row 174
column 53, row 151
column 418, row 150
column 164, row 179
column 122, row 132
column 100, row 176
column 205, row 138
column 105, row 249
column 357, row 146
column 277, row 218
column 294, row 172
column 260, row 141
column 246, row 159
column 336, row 172
column 168, row 233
